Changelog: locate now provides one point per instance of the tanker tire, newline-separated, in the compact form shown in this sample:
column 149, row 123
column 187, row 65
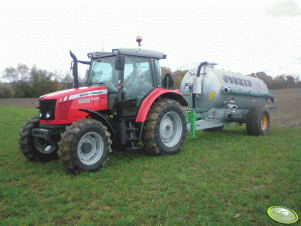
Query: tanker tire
column 215, row 129
column 27, row 143
column 85, row 146
column 258, row 121
column 165, row 115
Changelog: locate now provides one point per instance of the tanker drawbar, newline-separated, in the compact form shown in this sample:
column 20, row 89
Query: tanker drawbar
column 216, row 97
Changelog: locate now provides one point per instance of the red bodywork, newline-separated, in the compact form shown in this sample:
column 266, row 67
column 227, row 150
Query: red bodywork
column 149, row 100
column 68, row 103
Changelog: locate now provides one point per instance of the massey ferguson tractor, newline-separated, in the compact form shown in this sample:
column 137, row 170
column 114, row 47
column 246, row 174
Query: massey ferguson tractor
column 125, row 102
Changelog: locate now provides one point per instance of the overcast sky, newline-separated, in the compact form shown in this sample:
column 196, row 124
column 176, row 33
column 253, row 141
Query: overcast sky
column 241, row 37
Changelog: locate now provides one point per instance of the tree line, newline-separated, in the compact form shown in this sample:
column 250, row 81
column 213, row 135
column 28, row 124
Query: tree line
column 279, row 82
column 25, row 82
column 32, row 82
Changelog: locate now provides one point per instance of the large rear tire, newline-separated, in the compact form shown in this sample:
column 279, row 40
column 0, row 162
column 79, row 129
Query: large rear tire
column 34, row 148
column 165, row 128
column 85, row 146
column 258, row 121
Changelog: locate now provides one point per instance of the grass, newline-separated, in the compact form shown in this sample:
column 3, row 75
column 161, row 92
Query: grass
column 223, row 178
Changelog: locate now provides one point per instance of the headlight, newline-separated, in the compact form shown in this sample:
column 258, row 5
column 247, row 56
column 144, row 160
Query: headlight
column 47, row 115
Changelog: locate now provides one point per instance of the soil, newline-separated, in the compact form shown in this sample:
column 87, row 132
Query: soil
column 289, row 104
column 21, row 102
column 287, row 115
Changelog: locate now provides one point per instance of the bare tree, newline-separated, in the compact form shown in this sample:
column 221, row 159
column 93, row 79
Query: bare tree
column 11, row 74
column 23, row 71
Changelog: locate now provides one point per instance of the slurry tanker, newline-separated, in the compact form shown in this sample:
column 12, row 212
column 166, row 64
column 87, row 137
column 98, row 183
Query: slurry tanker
column 126, row 101
column 216, row 97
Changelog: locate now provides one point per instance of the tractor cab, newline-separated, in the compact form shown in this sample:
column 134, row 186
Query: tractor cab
column 129, row 74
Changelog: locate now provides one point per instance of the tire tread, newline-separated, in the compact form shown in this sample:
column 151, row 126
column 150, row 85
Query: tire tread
column 67, row 144
column 253, row 122
column 149, row 139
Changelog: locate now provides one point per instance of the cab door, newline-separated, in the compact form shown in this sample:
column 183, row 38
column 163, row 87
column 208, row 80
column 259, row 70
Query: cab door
column 138, row 83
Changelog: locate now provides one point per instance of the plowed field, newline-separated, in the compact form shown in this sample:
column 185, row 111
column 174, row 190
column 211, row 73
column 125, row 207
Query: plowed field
column 288, row 115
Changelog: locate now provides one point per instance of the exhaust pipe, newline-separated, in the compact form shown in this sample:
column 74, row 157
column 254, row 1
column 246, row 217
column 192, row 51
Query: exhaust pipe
column 75, row 70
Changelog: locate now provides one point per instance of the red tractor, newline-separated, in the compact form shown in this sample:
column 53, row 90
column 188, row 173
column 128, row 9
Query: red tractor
column 125, row 102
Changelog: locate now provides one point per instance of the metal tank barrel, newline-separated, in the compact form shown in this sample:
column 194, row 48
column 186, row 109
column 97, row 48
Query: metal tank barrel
column 206, row 87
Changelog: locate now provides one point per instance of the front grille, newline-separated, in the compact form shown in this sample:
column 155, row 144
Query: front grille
column 47, row 109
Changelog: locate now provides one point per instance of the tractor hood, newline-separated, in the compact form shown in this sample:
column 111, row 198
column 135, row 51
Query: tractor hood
column 75, row 93
column 67, row 106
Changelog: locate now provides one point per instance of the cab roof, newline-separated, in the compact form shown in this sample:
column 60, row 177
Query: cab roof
column 129, row 52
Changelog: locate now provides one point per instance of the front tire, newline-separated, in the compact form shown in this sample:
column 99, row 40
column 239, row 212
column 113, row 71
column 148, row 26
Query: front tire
column 85, row 146
column 34, row 148
column 165, row 128
column 258, row 121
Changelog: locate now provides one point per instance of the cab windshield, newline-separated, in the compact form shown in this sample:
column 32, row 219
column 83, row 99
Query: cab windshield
column 103, row 72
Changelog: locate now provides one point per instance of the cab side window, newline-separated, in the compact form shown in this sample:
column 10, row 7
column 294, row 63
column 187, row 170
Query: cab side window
column 158, row 73
column 137, row 77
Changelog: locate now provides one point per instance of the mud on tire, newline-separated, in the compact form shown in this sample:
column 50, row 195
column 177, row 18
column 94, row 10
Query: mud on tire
column 258, row 121
column 33, row 147
column 165, row 128
column 85, row 146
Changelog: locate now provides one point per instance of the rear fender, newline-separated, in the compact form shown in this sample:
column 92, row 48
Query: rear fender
column 153, row 96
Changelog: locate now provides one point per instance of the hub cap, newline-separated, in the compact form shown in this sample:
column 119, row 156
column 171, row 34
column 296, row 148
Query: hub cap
column 171, row 129
column 43, row 146
column 90, row 148
column 264, row 122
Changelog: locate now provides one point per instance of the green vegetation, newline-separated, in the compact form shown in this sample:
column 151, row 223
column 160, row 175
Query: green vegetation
column 224, row 178
column 34, row 82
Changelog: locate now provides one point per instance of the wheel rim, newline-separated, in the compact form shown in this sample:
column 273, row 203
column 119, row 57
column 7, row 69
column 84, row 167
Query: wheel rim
column 264, row 122
column 171, row 129
column 90, row 148
column 43, row 146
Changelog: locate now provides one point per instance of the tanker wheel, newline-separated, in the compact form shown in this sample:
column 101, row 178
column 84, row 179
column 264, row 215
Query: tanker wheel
column 165, row 128
column 258, row 121
column 215, row 129
column 35, row 148
column 85, row 146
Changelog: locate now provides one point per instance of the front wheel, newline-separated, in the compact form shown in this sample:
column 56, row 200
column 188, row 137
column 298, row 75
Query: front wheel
column 36, row 148
column 165, row 128
column 85, row 146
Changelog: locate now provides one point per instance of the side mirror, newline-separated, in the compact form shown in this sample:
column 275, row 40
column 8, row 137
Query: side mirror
column 168, row 81
column 119, row 62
